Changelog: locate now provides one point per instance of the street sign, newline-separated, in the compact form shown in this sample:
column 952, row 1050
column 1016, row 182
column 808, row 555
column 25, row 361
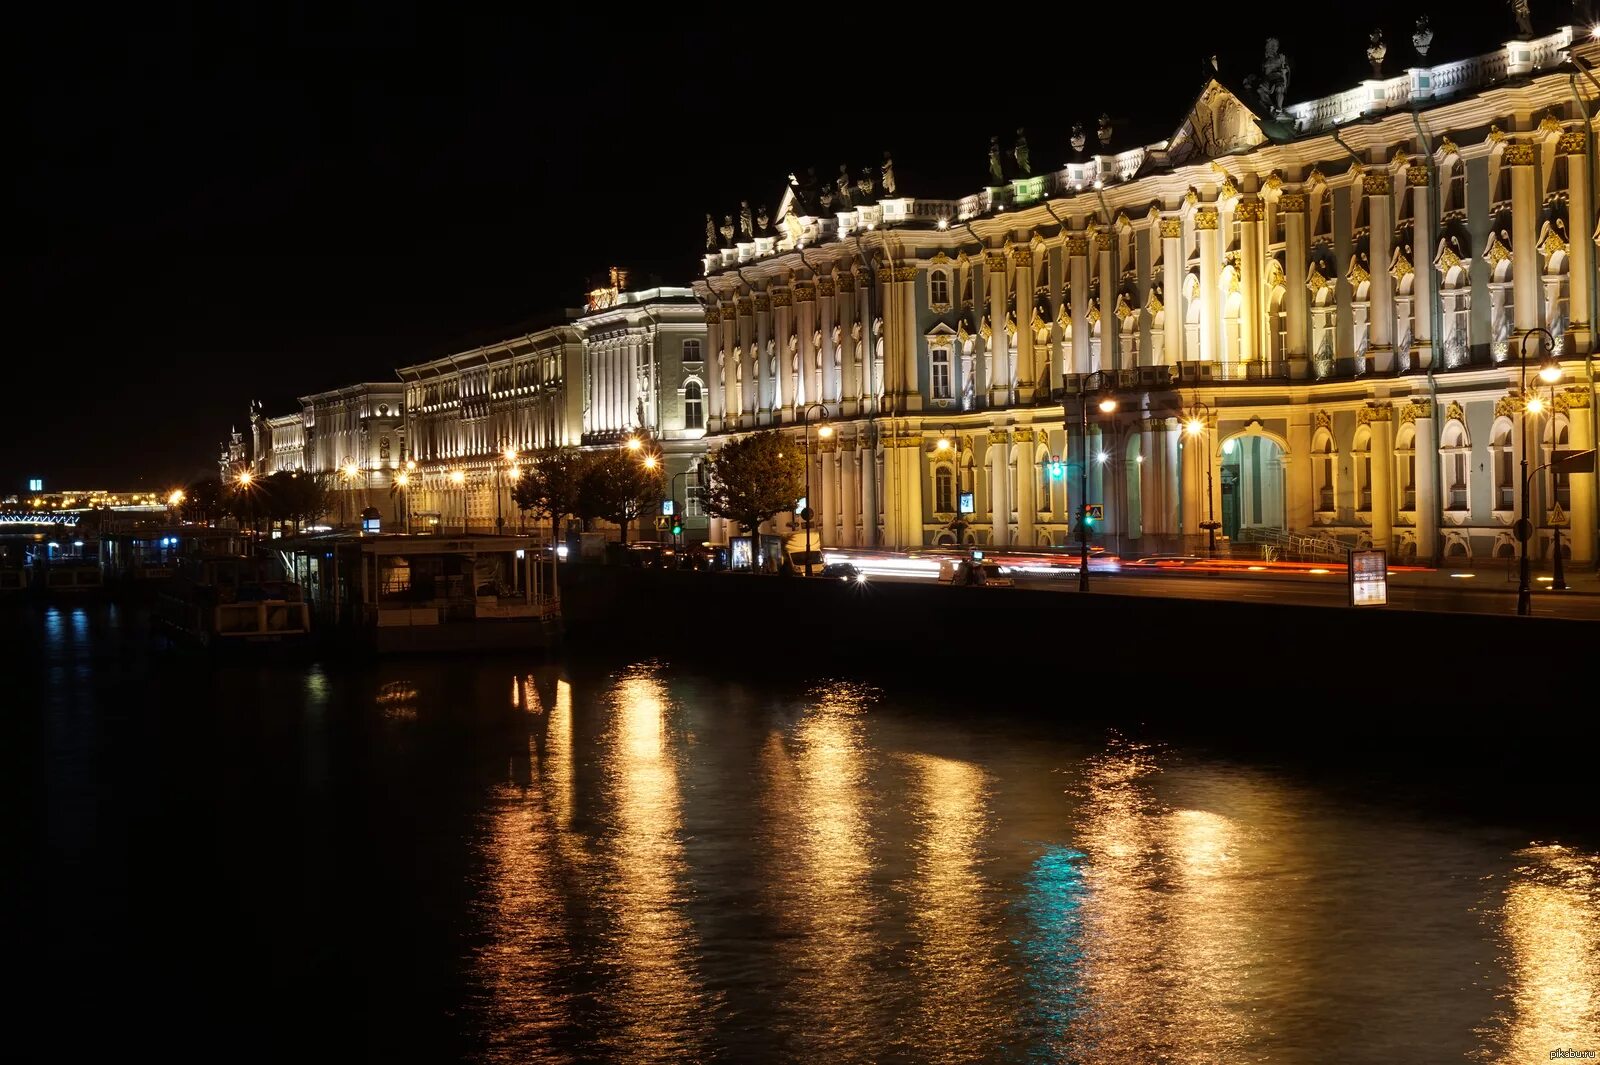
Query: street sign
column 1574, row 461
column 1369, row 578
column 1095, row 511
column 668, row 507
column 805, row 513
column 1522, row 528
column 1558, row 517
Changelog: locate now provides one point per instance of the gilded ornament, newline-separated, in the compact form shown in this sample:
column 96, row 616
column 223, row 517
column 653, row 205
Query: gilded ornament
column 1371, row 413
column 1011, row 326
column 1550, row 124
column 1102, row 241
column 984, row 329
column 1402, row 266
column 1153, row 305
column 1447, row 260
column 1191, row 197
column 999, row 436
column 1496, row 254
column 1022, row 255
column 746, row 306
column 1518, row 154
column 1205, row 218
column 782, row 297
column 1448, row 146
column 1093, row 315
column 1495, row 134
column 846, row 282
column 1357, row 275
column 1273, row 183
column 1552, row 243
column 763, row 302
column 1572, row 143
column 1248, row 211
column 1077, row 245
column 905, row 273
column 1322, row 420
column 1316, row 177
column 1292, row 202
column 1414, row 410
column 1453, row 412
column 961, row 332
column 1039, row 325
column 1023, row 436
column 824, row 287
column 805, row 292
column 1122, row 310
column 1315, row 281
column 995, row 260
column 1171, row 227
column 1576, row 396
column 1416, row 175
column 1507, row 406
column 1375, row 184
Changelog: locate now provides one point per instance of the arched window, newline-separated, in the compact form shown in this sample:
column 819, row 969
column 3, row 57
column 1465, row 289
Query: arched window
column 1043, row 502
column 1361, row 452
column 1323, row 458
column 941, row 373
column 944, row 490
column 1456, row 452
column 694, row 405
column 691, row 351
column 1559, row 483
column 1505, row 482
column 939, row 288
column 1405, row 462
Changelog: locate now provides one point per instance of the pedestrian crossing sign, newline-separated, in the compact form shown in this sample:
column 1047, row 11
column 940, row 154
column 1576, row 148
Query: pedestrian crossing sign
column 1095, row 511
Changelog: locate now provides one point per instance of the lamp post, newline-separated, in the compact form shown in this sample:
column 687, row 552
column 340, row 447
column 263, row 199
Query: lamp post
column 459, row 479
column 1549, row 371
column 1092, row 382
column 402, row 481
column 1558, row 574
column 824, row 430
column 349, row 471
column 677, row 515
column 510, row 455
column 945, row 447
column 1196, row 419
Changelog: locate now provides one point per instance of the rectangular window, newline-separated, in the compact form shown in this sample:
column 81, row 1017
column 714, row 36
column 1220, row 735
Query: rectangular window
column 694, row 501
column 941, row 373
column 691, row 351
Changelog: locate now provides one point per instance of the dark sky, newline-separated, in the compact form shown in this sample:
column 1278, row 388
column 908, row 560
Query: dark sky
column 214, row 204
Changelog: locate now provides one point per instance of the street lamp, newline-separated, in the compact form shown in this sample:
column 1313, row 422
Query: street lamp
column 459, row 479
column 945, row 448
column 510, row 455
column 1092, row 382
column 402, row 481
column 1196, row 419
column 1550, row 372
column 824, row 430
column 349, row 471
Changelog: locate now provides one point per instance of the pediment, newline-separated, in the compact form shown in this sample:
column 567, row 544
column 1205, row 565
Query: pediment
column 1218, row 124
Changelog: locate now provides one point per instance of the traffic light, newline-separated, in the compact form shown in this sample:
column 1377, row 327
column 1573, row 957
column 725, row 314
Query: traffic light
column 1057, row 468
column 677, row 527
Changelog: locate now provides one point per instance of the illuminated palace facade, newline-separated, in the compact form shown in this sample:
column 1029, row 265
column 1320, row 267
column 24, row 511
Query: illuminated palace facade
column 1317, row 308
column 628, row 363
column 354, row 434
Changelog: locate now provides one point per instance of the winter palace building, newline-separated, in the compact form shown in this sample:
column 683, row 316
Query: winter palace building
column 1316, row 309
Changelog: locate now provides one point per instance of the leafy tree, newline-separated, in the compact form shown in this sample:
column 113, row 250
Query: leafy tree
column 300, row 498
column 203, row 501
column 754, row 478
column 619, row 487
column 550, row 485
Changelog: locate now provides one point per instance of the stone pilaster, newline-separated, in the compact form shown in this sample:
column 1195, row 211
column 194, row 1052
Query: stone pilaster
column 1172, row 287
column 1574, row 145
column 1380, row 241
column 1077, row 248
column 1295, row 295
column 1205, row 224
column 1524, row 235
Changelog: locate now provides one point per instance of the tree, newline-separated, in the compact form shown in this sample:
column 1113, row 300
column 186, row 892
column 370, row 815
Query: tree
column 618, row 486
column 754, row 478
column 299, row 497
column 203, row 502
column 550, row 485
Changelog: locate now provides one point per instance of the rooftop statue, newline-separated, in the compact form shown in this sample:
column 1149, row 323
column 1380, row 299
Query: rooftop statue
column 762, row 219
column 1422, row 36
column 842, row 183
column 727, row 230
column 866, row 184
column 1103, row 132
column 1376, row 50
column 1020, row 153
column 1274, row 84
column 1524, row 18
column 744, row 219
column 825, row 198
column 1078, row 140
column 711, row 234
column 996, row 171
column 888, row 175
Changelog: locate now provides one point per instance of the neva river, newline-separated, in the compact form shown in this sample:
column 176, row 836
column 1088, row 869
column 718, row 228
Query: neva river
column 499, row 860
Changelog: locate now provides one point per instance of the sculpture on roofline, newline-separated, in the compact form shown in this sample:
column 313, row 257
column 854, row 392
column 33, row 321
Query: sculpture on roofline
column 711, row 234
column 744, row 219
column 762, row 219
column 996, row 171
column 1524, row 18
column 1274, row 77
column 1422, row 36
column 842, row 183
column 825, row 198
column 1020, row 153
column 888, row 175
column 1103, row 131
column 1376, row 50
column 727, row 230
column 866, row 184
column 1078, row 140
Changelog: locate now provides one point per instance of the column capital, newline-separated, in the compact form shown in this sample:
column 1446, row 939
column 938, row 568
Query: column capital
column 1416, row 175
column 1375, row 184
column 745, row 306
column 847, row 282
column 1077, row 244
column 1171, row 227
column 995, row 260
column 1517, row 154
column 782, row 297
column 1205, row 218
column 806, row 293
column 1292, row 202
column 1249, row 210
column 763, row 302
column 1573, row 143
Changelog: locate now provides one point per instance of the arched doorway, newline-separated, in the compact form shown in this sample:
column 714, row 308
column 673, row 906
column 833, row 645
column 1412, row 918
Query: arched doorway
column 1251, row 484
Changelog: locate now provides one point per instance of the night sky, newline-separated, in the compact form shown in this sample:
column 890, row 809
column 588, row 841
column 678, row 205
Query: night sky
column 214, row 204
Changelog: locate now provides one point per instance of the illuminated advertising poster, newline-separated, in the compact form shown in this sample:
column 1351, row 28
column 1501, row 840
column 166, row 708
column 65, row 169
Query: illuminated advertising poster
column 1369, row 578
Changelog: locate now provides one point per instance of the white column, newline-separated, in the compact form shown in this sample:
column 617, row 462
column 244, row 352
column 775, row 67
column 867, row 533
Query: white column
column 1524, row 235
column 1428, row 479
column 1422, row 281
column 999, row 476
column 1580, row 530
column 1380, row 240
column 1172, row 287
column 1383, row 501
column 1027, row 369
column 1300, row 507
column 807, row 323
column 1078, row 256
column 1205, row 223
column 1026, row 477
column 1110, row 356
column 998, row 344
column 783, row 327
column 1580, row 223
column 1295, row 296
column 1253, row 344
column 765, row 383
column 869, row 495
column 850, row 511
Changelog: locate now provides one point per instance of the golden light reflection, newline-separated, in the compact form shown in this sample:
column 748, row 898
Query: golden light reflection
column 397, row 699
column 659, row 1005
column 820, row 890
column 1550, row 924
column 954, row 960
